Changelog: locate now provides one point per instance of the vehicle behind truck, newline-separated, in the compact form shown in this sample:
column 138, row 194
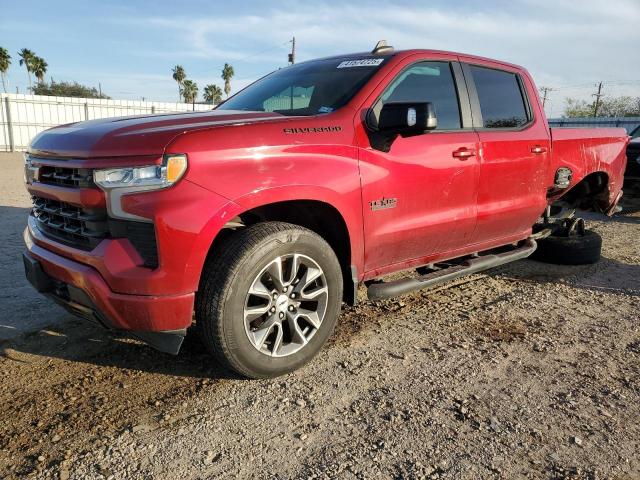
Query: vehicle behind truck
column 252, row 223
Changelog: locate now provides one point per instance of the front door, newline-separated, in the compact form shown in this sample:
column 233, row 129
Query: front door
column 419, row 198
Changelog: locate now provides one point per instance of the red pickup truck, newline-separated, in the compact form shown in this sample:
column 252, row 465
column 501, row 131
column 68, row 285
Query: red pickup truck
column 255, row 221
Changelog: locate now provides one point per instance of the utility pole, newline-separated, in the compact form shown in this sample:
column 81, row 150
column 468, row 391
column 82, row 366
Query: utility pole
column 292, row 55
column 597, row 102
column 545, row 91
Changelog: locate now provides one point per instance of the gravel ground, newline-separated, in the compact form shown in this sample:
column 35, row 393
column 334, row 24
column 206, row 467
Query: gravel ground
column 527, row 371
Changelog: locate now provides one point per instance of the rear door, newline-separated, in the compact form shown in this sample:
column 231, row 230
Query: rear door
column 419, row 198
column 515, row 151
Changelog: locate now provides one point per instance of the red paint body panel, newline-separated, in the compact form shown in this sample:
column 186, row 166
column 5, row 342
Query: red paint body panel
column 180, row 228
column 512, row 177
column 446, row 206
column 587, row 151
column 144, row 313
column 80, row 197
column 436, row 192
column 436, row 209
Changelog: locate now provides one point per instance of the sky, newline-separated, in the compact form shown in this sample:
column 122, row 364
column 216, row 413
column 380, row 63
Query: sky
column 129, row 47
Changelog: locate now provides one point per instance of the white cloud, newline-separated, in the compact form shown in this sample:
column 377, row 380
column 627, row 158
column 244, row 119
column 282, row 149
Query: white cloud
column 560, row 42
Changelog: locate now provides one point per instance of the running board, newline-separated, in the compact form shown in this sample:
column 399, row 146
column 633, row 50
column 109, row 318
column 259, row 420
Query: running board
column 379, row 291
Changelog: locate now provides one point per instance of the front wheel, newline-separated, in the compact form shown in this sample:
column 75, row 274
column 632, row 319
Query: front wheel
column 269, row 299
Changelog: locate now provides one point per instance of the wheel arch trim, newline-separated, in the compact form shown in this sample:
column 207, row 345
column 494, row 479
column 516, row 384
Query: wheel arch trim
column 351, row 217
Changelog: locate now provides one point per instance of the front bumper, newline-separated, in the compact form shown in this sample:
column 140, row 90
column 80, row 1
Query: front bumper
column 160, row 320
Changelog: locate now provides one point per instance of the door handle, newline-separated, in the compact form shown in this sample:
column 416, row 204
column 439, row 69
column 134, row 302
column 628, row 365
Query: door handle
column 538, row 150
column 463, row 153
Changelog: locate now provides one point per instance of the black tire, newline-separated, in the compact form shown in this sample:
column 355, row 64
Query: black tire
column 226, row 279
column 572, row 250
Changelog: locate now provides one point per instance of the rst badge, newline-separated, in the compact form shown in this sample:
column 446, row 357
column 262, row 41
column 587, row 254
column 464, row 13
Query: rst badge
column 383, row 204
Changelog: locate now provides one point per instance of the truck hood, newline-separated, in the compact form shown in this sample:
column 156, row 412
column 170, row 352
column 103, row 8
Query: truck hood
column 133, row 136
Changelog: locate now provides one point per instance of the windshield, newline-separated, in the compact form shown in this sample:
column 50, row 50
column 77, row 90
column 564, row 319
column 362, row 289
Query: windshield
column 309, row 88
column 636, row 132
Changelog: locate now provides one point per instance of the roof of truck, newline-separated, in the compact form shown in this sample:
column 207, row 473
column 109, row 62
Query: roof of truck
column 406, row 53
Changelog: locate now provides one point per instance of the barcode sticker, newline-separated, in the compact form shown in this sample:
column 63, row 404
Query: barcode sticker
column 365, row 62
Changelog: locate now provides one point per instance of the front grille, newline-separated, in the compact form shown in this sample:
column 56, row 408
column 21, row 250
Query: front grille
column 65, row 177
column 81, row 227
column 78, row 227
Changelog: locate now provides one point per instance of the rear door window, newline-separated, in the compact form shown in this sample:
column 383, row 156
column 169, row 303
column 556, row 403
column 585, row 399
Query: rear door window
column 501, row 100
column 428, row 82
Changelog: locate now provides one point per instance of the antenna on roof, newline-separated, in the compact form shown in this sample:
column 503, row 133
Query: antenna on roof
column 382, row 47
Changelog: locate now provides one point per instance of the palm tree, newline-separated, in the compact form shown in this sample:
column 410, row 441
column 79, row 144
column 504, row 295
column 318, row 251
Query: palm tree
column 179, row 76
column 39, row 68
column 189, row 91
column 213, row 94
column 26, row 59
column 5, row 61
column 227, row 73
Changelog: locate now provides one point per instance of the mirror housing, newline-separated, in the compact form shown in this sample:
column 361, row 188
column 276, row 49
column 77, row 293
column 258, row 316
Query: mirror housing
column 407, row 118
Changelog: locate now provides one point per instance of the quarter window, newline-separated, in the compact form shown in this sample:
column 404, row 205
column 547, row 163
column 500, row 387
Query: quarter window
column 428, row 82
column 501, row 100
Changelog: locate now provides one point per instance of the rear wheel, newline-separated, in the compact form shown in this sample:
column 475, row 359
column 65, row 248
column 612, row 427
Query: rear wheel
column 270, row 299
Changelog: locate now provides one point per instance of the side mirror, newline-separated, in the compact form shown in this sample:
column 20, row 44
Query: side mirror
column 407, row 119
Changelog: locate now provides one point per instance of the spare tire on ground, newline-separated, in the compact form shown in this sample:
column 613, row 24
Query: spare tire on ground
column 578, row 249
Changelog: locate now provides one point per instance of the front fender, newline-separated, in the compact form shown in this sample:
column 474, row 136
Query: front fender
column 350, row 212
column 252, row 177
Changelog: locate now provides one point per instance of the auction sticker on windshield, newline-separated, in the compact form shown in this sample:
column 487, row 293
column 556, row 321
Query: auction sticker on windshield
column 365, row 62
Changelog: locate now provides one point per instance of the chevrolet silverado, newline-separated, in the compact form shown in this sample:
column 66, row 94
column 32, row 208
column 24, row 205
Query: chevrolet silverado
column 254, row 222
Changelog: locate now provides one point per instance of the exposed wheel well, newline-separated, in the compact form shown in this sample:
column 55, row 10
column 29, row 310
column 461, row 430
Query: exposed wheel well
column 317, row 216
column 590, row 193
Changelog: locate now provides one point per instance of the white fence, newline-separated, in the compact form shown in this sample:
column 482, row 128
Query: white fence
column 24, row 116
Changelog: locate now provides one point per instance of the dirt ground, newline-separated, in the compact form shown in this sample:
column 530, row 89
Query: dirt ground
column 527, row 371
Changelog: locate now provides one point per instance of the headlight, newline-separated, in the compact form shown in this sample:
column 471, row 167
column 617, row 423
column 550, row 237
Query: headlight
column 146, row 178
column 31, row 173
column 117, row 182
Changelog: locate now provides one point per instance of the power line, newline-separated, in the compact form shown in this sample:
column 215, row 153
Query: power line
column 265, row 50
column 260, row 52
column 565, row 86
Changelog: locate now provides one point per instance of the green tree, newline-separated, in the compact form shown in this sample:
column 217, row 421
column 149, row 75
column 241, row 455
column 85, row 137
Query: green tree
column 189, row 91
column 26, row 59
column 623, row 106
column 179, row 76
column 227, row 74
column 5, row 61
column 39, row 68
column 212, row 93
column 67, row 89
column 574, row 108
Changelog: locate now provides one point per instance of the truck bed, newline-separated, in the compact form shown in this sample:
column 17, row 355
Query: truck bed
column 589, row 151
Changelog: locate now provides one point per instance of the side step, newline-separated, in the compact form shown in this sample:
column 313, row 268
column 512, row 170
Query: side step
column 379, row 291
